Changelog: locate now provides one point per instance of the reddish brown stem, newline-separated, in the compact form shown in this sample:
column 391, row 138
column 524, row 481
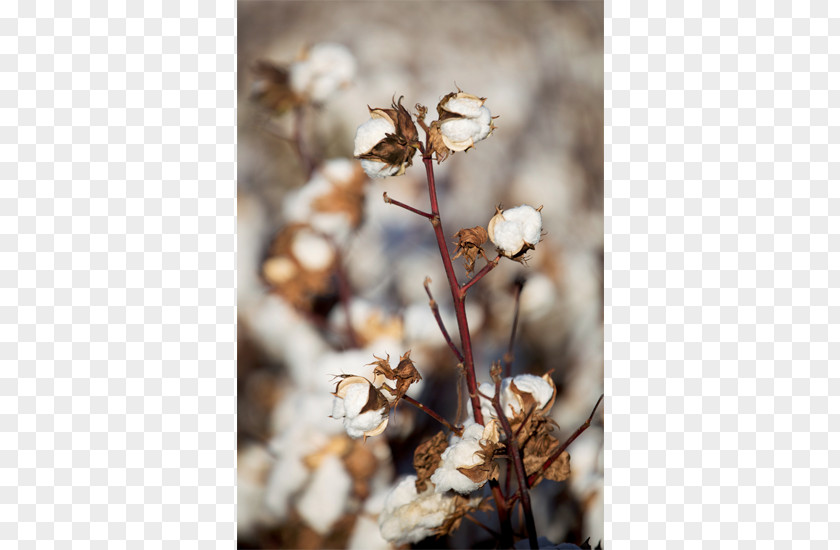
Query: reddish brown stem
column 556, row 454
column 395, row 202
column 436, row 312
column 344, row 295
column 516, row 457
column 455, row 289
column 484, row 271
column 454, row 429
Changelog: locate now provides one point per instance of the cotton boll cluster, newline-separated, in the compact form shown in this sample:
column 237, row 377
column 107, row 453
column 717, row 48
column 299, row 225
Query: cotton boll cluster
column 324, row 69
column 516, row 230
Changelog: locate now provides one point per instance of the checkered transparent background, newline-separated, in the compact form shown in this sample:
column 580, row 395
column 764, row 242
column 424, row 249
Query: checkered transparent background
column 117, row 244
column 721, row 313
column 117, row 204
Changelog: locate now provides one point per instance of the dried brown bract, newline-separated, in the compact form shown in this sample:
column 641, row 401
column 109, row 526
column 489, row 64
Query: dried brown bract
column 469, row 246
column 427, row 459
column 271, row 88
column 396, row 148
column 404, row 375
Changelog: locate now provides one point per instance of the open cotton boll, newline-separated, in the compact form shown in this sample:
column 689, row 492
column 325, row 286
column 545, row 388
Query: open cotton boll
column 326, row 68
column 312, row 251
column 515, row 230
column 410, row 517
column 540, row 390
column 324, row 500
column 369, row 133
column 462, row 453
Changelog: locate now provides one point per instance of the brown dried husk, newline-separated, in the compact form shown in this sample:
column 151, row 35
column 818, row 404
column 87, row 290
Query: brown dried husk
column 469, row 246
column 427, row 459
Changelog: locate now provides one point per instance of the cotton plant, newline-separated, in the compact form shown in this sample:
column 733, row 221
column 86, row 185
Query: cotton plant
column 508, row 427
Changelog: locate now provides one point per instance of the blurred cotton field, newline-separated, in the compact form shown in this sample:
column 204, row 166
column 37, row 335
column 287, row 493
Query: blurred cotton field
column 329, row 274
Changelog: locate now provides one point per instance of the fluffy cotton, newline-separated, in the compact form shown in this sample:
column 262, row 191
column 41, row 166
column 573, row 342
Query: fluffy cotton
column 371, row 132
column 312, row 251
column 512, row 229
column 326, row 68
column 326, row 496
column 409, row 517
column 356, row 423
column 473, row 124
column 376, row 169
column 461, row 453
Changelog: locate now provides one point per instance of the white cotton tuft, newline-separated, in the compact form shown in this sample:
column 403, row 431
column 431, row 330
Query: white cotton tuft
column 529, row 220
column 326, row 68
column 370, row 133
column 324, row 500
column 460, row 129
column 312, row 251
column 376, row 169
column 410, row 517
column 507, row 235
column 358, row 426
column 465, row 106
column 339, row 170
column 355, row 398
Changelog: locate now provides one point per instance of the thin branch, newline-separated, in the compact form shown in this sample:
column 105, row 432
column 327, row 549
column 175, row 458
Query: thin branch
column 436, row 312
column 516, row 457
column 508, row 357
column 395, row 202
column 484, row 271
column 457, row 431
column 454, row 288
column 556, row 454
column 300, row 143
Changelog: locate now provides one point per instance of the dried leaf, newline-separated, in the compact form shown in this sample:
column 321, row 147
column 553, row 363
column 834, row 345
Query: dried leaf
column 469, row 246
column 427, row 459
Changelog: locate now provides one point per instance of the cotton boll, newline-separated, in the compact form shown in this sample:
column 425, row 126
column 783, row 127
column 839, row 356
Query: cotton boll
column 313, row 252
column 326, row 68
column 515, row 230
column 462, row 452
column 370, row 133
column 540, row 390
column 410, row 517
column 324, row 500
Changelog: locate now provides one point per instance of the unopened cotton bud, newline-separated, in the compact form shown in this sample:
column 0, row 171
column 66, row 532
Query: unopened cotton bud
column 516, row 230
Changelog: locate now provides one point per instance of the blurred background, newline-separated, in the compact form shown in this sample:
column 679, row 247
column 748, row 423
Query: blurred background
column 308, row 311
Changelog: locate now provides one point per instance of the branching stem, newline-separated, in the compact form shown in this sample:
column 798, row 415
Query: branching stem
column 395, row 202
column 454, row 429
column 436, row 312
column 556, row 454
column 484, row 271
